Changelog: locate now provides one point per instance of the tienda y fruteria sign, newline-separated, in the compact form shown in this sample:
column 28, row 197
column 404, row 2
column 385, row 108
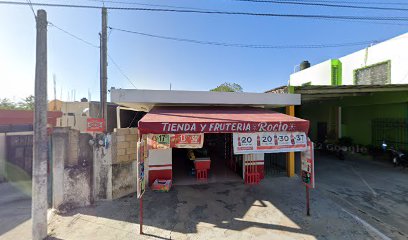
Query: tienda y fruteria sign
column 225, row 127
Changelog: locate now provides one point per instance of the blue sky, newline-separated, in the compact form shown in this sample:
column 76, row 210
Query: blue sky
column 154, row 63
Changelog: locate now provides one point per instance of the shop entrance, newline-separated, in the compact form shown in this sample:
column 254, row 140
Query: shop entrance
column 217, row 148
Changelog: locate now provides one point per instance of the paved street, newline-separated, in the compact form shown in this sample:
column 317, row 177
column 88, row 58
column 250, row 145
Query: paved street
column 373, row 190
column 358, row 199
column 15, row 211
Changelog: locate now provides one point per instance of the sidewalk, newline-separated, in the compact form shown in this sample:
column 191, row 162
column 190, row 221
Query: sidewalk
column 273, row 210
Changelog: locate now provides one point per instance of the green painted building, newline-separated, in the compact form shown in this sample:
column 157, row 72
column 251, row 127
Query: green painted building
column 368, row 114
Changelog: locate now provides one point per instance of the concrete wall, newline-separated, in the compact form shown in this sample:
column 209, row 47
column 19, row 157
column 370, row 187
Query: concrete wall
column 115, row 164
column 389, row 50
column 102, row 167
column 71, row 168
column 77, row 187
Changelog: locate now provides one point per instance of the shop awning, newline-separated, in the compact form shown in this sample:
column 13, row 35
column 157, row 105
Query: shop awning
column 218, row 120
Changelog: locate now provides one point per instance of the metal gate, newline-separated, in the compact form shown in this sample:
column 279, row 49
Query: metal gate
column 20, row 151
column 393, row 131
column 275, row 163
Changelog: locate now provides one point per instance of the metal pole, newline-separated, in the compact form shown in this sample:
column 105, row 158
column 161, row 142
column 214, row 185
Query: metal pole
column 141, row 215
column 40, row 150
column 104, row 66
column 307, row 201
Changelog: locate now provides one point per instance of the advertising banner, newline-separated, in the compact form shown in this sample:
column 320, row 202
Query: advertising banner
column 165, row 141
column 307, row 165
column 159, row 141
column 95, row 125
column 141, row 182
column 269, row 142
column 189, row 140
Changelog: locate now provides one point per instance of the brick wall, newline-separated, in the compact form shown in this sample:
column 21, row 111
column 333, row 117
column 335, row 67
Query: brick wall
column 124, row 144
column 73, row 149
column 125, row 140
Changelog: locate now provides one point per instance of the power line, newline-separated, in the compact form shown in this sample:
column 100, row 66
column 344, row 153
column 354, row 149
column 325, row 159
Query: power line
column 241, row 45
column 72, row 35
column 94, row 46
column 32, row 9
column 120, row 71
column 354, row 2
column 151, row 5
column 254, row 14
column 321, row 4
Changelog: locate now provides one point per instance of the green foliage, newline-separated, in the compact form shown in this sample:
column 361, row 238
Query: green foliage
column 7, row 104
column 228, row 87
column 26, row 104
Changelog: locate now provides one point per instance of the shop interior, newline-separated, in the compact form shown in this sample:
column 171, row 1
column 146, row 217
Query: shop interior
column 217, row 148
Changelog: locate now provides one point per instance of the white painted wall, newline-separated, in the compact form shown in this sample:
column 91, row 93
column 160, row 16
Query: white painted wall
column 393, row 49
column 160, row 156
column 319, row 74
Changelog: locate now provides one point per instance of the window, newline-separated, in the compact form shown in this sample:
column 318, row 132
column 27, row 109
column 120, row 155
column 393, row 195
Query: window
column 377, row 74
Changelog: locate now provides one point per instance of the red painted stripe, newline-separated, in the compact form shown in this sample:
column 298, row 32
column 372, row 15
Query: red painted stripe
column 165, row 165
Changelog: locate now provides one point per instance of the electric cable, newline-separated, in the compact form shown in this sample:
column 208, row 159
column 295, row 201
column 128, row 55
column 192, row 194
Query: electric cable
column 94, row 46
column 242, row 45
column 323, row 5
column 254, row 14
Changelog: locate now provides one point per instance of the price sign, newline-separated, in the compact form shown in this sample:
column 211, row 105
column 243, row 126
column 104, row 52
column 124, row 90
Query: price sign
column 269, row 142
column 283, row 139
column 245, row 142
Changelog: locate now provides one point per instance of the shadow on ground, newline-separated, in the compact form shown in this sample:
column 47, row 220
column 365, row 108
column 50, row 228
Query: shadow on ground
column 273, row 209
column 15, row 199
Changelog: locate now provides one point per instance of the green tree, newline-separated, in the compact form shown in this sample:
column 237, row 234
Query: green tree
column 7, row 104
column 228, row 87
column 27, row 103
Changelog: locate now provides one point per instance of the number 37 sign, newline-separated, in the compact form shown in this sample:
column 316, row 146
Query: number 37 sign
column 269, row 142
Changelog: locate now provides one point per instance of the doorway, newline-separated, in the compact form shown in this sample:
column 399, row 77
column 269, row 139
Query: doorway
column 216, row 148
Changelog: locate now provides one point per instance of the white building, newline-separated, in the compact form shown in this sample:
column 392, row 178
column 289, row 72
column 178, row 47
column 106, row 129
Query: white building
column 382, row 63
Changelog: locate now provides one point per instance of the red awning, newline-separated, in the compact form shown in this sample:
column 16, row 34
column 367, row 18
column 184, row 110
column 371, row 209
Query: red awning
column 218, row 120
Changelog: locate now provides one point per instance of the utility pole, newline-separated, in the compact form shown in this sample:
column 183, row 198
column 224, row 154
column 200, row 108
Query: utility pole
column 104, row 66
column 40, row 150
column 55, row 92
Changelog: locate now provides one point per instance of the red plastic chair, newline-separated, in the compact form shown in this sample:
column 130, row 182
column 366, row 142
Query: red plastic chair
column 202, row 174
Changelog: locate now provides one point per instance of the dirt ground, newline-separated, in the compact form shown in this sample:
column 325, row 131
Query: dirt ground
column 353, row 199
